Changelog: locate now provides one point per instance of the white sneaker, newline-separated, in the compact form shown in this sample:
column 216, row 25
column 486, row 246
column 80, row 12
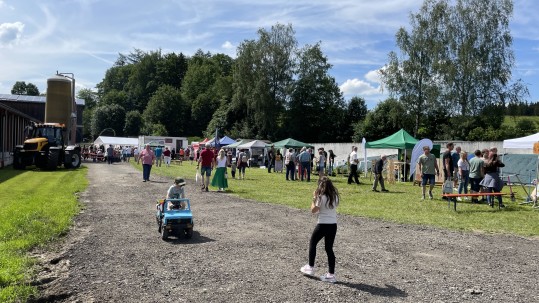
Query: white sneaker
column 459, row 199
column 328, row 278
column 423, row 197
column 308, row 270
column 430, row 195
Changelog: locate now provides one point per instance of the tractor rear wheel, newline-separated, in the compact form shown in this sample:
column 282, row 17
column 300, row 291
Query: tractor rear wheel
column 72, row 160
column 18, row 161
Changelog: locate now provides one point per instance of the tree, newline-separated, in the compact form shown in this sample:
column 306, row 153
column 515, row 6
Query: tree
column 477, row 66
column 108, row 116
column 171, row 69
column 133, row 123
column 412, row 76
column 207, row 85
column 143, row 81
column 457, row 59
column 32, row 90
column 263, row 78
column 166, row 107
column 355, row 112
column 316, row 98
column 89, row 97
column 385, row 119
column 21, row 88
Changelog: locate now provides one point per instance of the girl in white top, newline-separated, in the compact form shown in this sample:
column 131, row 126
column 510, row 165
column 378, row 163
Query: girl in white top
column 325, row 202
column 464, row 173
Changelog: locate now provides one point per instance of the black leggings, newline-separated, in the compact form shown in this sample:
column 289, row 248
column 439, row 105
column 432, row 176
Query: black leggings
column 328, row 232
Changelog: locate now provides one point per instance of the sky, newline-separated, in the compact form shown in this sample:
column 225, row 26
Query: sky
column 84, row 37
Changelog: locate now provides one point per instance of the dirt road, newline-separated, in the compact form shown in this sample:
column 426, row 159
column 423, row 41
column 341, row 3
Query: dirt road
column 246, row 251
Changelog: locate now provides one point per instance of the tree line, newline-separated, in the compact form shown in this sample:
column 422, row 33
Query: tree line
column 272, row 90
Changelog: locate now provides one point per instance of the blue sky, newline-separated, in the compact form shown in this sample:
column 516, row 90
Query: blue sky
column 84, row 37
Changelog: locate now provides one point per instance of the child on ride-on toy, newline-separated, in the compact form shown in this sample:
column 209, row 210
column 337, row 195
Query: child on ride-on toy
column 176, row 191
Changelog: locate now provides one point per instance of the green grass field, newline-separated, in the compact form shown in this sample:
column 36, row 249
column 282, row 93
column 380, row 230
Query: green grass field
column 36, row 207
column 512, row 121
column 401, row 205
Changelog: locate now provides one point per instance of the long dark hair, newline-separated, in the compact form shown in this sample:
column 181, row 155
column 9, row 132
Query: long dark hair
column 326, row 188
column 492, row 160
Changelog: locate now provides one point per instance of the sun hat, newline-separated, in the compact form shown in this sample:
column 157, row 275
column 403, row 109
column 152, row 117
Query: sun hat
column 179, row 181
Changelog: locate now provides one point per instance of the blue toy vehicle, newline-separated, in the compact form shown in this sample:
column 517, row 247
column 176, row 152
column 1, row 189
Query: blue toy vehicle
column 174, row 217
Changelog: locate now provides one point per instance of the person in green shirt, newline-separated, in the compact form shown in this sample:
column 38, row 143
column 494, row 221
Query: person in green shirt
column 428, row 166
column 476, row 174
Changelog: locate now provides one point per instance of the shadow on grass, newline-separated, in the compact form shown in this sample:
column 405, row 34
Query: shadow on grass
column 8, row 172
column 387, row 291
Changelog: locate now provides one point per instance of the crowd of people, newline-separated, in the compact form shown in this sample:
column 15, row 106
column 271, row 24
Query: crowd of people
column 480, row 173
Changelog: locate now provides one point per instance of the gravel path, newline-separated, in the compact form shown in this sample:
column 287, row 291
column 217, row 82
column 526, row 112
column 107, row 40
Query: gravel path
column 247, row 251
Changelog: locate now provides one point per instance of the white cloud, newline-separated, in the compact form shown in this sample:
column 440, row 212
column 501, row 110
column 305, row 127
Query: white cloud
column 373, row 76
column 228, row 45
column 10, row 33
column 358, row 87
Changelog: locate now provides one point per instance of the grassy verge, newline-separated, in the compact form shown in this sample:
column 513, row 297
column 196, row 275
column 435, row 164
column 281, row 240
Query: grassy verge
column 36, row 207
column 402, row 204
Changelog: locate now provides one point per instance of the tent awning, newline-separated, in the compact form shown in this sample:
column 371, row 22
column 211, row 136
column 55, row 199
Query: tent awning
column 289, row 143
column 236, row 144
column 116, row 141
column 226, row 141
column 522, row 143
column 253, row 144
column 399, row 140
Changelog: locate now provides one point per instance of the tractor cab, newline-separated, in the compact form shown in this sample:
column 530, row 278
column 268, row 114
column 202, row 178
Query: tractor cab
column 46, row 133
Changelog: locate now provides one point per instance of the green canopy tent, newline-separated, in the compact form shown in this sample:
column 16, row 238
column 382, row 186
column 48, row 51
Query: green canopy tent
column 400, row 140
column 289, row 143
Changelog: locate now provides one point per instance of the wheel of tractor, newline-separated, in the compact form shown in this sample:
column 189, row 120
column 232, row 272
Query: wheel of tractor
column 189, row 233
column 18, row 161
column 72, row 160
column 52, row 159
column 164, row 233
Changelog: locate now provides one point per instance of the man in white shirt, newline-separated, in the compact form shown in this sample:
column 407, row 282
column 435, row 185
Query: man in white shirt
column 354, row 161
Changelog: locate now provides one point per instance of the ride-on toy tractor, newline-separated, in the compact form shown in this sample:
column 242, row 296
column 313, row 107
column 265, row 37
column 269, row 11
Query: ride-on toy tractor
column 174, row 217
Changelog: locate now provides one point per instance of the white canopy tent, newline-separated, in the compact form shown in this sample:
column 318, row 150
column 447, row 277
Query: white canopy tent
column 104, row 140
column 256, row 150
column 526, row 143
column 521, row 143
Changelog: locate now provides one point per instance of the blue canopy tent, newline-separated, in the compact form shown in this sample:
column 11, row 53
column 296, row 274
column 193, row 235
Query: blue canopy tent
column 226, row 141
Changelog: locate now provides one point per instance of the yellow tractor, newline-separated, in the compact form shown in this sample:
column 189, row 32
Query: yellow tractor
column 48, row 145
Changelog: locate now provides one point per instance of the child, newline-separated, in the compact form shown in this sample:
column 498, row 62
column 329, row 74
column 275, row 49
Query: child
column 325, row 202
column 176, row 191
column 233, row 167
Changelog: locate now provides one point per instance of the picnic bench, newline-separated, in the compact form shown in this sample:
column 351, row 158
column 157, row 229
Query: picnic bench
column 453, row 197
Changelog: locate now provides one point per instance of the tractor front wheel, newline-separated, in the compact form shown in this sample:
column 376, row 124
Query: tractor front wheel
column 52, row 161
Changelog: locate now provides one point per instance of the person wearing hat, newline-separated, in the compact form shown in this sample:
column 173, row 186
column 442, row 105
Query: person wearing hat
column 378, row 169
column 206, row 162
column 176, row 191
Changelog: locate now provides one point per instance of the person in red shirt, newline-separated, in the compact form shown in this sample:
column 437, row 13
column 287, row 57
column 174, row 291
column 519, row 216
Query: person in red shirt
column 166, row 156
column 207, row 159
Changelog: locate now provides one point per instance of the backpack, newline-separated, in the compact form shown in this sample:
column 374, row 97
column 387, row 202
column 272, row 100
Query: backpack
column 244, row 158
